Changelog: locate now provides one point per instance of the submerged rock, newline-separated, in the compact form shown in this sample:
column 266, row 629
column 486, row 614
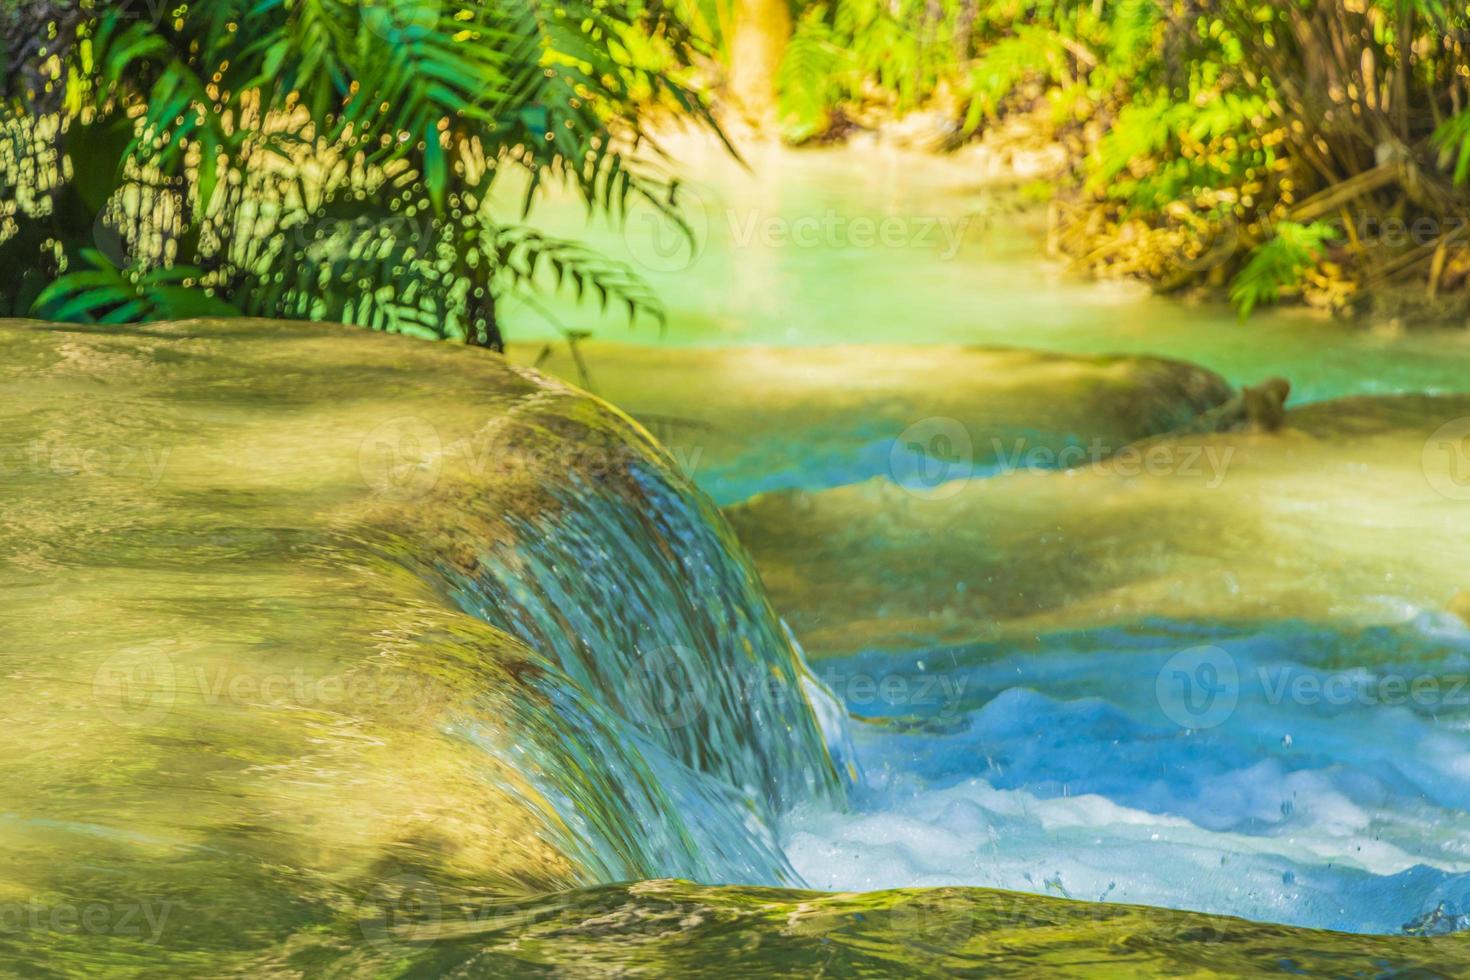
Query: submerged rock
column 1353, row 513
column 300, row 616
column 677, row 929
column 1261, row 407
column 813, row 418
column 1460, row 605
column 1442, row 920
column 1265, row 404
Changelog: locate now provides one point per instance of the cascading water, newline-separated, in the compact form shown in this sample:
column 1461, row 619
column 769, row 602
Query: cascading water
column 312, row 649
column 635, row 587
column 623, row 808
column 283, row 703
column 1321, row 792
column 698, row 723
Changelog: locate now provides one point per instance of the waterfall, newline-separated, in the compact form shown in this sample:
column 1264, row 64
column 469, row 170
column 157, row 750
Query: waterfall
column 628, row 580
column 394, row 621
column 619, row 806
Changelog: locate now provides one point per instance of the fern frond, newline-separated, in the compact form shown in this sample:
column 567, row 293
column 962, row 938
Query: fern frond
column 525, row 255
column 1279, row 264
column 104, row 293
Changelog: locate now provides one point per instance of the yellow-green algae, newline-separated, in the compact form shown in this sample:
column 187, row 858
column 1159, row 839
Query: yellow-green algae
column 236, row 700
column 238, row 694
column 1351, row 514
column 745, row 419
column 669, row 928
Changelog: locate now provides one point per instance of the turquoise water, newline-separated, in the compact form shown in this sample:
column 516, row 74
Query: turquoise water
column 1321, row 783
column 884, row 246
column 1099, row 763
column 393, row 630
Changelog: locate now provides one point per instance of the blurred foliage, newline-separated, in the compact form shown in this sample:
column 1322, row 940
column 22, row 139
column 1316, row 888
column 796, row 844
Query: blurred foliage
column 324, row 159
column 1279, row 263
column 1199, row 131
column 334, row 159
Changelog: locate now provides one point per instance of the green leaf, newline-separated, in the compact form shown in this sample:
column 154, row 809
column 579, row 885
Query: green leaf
column 1279, row 264
column 436, row 171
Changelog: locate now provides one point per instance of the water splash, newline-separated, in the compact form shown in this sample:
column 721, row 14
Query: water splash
column 1331, row 795
column 619, row 805
column 637, row 589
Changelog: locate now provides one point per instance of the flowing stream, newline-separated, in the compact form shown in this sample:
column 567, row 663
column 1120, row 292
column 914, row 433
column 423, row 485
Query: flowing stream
column 291, row 652
column 329, row 639
column 1072, row 760
column 874, row 245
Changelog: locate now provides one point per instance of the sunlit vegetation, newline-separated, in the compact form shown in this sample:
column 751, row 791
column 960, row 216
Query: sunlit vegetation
column 325, row 159
column 1308, row 148
column 344, row 159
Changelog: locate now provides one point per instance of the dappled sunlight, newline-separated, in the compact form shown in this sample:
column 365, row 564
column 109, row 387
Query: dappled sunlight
column 763, row 487
column 1292, row 525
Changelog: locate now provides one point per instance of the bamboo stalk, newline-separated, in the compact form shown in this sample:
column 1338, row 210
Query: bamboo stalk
column 1436, row 267
column 1410, row 259
column 1326, row 201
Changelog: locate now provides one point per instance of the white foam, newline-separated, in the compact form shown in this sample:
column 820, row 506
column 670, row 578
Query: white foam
column 1348, row 816
column 1088, row 847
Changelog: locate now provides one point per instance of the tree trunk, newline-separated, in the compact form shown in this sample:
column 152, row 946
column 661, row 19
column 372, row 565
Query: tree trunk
column 762, row 28
column 482, row 328
column 31, row 33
